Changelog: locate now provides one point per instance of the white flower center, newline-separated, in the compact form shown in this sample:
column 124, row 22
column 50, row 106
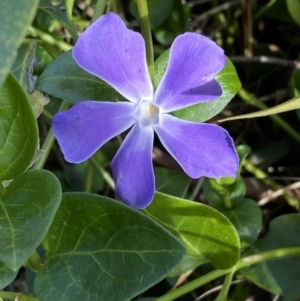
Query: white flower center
column 146, row 114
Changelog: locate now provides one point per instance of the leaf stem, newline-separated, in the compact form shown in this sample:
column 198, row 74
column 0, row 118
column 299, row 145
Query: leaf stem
column 35, row 262
column 99, row 9
column 106, row 176
column 244, row 262
column 225, row 287
column 47, row 145
column 17, row 296
column 146, row 32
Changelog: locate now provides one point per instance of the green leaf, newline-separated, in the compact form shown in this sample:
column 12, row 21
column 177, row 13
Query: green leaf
column 158, row 10
column 171, row 182
column 6, row 275
column 246, row 217
column 293, row 7
column 206, row 233
column 22, row 69
column 281, row 275
column 295, row 83
column 26, row 212
column 100, row 249
column 18, row 130
column 230, row 84
column 15, row 17
column 227, row 79
column 69, row 7
column 58, row 12
column 289, row 105
column 65, row 79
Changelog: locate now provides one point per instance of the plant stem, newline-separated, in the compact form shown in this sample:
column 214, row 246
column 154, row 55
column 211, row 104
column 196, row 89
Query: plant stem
column 47, row 145
column 225, row 287
column 106, row 176
column 244, row 262
column 17, row 296
column 99, row 9
column 146, row 32
column 247, row 97
column 35, row 261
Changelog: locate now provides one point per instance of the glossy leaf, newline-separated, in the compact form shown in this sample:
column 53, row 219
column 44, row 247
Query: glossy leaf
column 289, row 105
column 227, row 79
column 6, row 275
column 281, row 275
column 119, row 251
column 59, row 13
column 22, row 69
column 27, row 210
column 171, row 182
column 158, row 10
column 65, row 79
column 15, row 17
column 18, row 130
column 206, row 233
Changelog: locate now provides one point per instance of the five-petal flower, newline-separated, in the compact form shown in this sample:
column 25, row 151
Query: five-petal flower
column 116, row 55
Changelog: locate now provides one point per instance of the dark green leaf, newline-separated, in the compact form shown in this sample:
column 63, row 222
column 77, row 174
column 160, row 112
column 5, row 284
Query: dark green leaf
column 22, row 69
column 158, row 10
column 65, row 79
column 295, row 83
column 171, row 182
column 15, row 17
column 18, row 130
column 58, row 12
column 282, row 275
column 100, row 249
column 27, row 209
column 6, row 275
column 246, row 217
column 227, row 79
column 293, row 7
column 206, row 233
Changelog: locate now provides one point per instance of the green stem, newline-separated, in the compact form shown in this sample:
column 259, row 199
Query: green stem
column 99, row 9
column 47, row 145
column 17, row 296
column 190, row 286
column 247, row 97
column 89, row 178
column 35, row 32
column 244, row 262
column 35, row 261
column 225, row 287
column 106, row 176
column 146, row 32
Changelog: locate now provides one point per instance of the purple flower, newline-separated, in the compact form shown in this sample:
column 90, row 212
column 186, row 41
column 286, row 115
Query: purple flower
column 116, row 55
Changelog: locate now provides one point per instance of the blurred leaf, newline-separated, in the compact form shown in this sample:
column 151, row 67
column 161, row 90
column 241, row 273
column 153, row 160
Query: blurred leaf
column 23, row 69
column 119, row 251
column 289, row 105
column 15, row 17
column 207, row 234
column 69, row 7
column 65, row 79
column 158, row 10
column 18, row 130
column 27, row 210
column 6, row 275
column 293, row 7
column 277, row 276
column 227, row 79
column 295, row 83
column 171, row 182
column 58, row 12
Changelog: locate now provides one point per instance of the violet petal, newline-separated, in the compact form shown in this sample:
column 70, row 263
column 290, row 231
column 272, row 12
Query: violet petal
column 133, row 170
column 83, row 129
column 117, row 55
column 194, row 60
column 201, row 149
